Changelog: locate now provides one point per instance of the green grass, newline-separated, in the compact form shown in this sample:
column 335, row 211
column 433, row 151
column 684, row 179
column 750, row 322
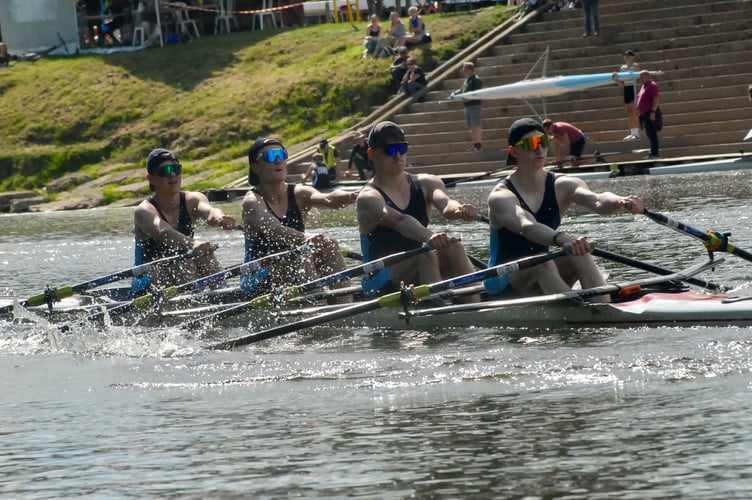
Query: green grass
column 207, row 100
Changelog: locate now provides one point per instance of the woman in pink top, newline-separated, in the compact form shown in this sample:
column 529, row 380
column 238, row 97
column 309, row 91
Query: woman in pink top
column 648, row 107
column 565, row 137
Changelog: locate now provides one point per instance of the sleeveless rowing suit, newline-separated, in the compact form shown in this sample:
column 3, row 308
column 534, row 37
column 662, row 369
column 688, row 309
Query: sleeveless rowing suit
column 150, row 249
column 259, row 245
column 383, row 241
column 507, row 246
column 321, row 178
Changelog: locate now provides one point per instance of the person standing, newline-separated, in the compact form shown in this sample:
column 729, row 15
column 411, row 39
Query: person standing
column 274, row 214
column 392, row 211
column 525, row 211
column 164, row 225
column 331, row 157
column 473, row 108
column 648, row 107
column 591, row 11
column 565, row 138
column 630, row 93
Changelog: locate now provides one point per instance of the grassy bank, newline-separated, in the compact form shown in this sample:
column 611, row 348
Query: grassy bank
column 207, row 99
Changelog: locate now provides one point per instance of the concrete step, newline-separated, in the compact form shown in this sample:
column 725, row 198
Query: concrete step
column 699, row 46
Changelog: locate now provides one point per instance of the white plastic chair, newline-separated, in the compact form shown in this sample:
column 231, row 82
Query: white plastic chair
column 225, row 17
column 260, row 16
column 139, row 35
column 183, row 20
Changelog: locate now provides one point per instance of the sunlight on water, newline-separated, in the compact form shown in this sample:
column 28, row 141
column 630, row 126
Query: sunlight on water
column 378, row 411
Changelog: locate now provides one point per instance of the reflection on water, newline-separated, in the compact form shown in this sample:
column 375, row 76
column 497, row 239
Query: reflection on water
column 380, row 412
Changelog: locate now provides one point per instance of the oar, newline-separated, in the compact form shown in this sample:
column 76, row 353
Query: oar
column 391, row 300
column 295, row 291
column 653, row 269
column 348, row 254
column 62, row 292
column 572, row 295
column 478, row 177
column 713, row 240
column 152, row 299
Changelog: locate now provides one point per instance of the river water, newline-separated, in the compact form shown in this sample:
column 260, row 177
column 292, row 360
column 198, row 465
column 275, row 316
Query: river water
column 377, row 413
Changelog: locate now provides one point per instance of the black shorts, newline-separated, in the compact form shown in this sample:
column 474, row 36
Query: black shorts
column 629, row 96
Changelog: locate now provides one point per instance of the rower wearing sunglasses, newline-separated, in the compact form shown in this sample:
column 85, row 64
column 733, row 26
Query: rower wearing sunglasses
column 393, row 217
column 525, row 211
column 164, row 226
column 274, row 214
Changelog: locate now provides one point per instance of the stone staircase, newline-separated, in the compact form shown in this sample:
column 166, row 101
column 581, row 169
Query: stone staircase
column 702, row 47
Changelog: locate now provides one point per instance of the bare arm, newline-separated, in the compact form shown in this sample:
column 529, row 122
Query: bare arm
column 439, row 198
column 333, row 199
column 373, row 211
column 505, row 212
column 605, row 203
column 147, row 224
column 204, row 210
column 257, row 220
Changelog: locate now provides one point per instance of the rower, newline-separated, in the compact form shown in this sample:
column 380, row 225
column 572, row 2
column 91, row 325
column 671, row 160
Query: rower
column 393, row 213
column 525, row 211
column 274, row 214
column 164, row 226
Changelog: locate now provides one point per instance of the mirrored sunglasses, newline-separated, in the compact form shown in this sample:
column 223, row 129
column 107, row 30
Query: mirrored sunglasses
column 168, row 170
column 272, row 155
column 532, row 143
column 393, row 149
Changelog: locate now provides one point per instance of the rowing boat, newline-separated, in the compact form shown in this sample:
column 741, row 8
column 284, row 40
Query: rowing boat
column 651, row 309
column 547, row 86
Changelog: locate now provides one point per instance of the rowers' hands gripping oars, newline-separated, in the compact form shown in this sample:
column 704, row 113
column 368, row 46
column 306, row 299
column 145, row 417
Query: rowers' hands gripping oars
column 714, row 241
column 296, row 291
column 392, row 299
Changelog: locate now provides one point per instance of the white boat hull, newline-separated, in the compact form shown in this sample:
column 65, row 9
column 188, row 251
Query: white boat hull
column 653, row 309
column 546, row 87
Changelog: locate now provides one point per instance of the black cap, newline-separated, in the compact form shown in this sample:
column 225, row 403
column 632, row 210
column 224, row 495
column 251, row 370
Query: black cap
column 323, row 143
column 383, row 132
column 159, row 156
column 629, row 52
column 521, row 128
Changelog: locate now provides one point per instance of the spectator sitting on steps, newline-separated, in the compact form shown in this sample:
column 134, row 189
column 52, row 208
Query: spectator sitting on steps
column 418, row 33
column 414, row 79
column 399, row 67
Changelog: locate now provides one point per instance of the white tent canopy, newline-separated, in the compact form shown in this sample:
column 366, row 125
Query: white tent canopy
column 39, row 26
